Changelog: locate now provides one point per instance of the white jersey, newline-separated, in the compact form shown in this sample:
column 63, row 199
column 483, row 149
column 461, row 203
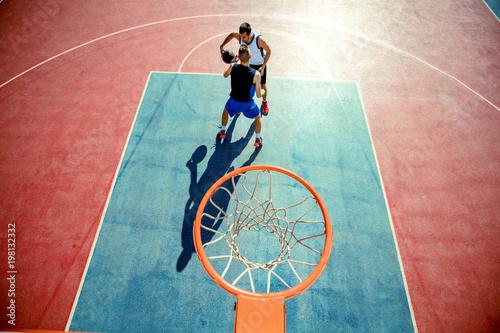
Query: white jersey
column 258, row 54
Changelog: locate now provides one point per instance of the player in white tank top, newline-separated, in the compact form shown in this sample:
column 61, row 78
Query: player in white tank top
column 261, row 52
column 258, row 54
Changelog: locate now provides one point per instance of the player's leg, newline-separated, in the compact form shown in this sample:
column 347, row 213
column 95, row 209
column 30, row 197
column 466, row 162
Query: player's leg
column 257, row 129
column 265, row 104
column 231, row 108
column 251, row 111
column 257, row 125
column 224, row 120
column 263, row 79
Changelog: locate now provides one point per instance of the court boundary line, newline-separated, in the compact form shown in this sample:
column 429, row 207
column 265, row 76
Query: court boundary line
column 274, row 77
column 108, row 199
column 387, row 208
column 117, row 172
column 312, row 78
column 491, row 10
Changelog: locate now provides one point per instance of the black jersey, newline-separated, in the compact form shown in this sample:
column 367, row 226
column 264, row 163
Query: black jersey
column 242, row 87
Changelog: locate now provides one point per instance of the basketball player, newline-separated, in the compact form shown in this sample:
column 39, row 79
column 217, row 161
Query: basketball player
column 261, row 52
column 245, row 82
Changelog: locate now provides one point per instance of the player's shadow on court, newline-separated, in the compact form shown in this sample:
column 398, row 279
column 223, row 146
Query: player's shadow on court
column 217, row 166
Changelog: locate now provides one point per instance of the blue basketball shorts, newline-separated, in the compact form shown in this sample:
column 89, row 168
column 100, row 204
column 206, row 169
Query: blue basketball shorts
column 249, row 109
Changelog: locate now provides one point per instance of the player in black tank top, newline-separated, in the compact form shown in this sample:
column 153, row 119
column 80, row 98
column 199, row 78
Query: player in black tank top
column 242, row 87
column 245, row 82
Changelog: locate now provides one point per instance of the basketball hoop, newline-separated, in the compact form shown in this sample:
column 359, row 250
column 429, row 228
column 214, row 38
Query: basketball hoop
column 271, row 249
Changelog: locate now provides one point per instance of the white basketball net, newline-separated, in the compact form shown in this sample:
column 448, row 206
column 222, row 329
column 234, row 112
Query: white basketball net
column 252, row 213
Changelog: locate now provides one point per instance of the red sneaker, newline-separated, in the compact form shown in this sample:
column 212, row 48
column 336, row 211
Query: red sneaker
column 265, row 108
column 222, row 134
column 258, row 142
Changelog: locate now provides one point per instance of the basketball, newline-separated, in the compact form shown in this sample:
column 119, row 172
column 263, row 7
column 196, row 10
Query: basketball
column 228, row 56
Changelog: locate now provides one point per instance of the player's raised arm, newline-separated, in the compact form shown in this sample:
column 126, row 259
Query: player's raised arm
column 232, row 35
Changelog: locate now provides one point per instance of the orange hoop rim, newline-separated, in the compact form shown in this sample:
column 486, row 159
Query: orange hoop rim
column 286, row 294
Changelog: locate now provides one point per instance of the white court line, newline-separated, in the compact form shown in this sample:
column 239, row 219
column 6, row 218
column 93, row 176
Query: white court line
column 287, row 18
column 437, row 69
column 84, row 275
column 114, row 34
column 403, row 275
column 360, row 36
column 491, row 10
column 388, row 209
column 197, row 46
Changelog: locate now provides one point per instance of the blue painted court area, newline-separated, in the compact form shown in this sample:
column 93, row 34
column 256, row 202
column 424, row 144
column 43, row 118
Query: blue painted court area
column 144, row 275
column 494, row 6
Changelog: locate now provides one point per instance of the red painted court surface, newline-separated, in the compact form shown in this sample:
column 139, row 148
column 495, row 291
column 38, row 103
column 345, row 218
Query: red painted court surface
column 72, row 75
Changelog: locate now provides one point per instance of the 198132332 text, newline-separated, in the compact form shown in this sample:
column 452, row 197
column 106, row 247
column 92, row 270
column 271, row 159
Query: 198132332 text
column 11, row 273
